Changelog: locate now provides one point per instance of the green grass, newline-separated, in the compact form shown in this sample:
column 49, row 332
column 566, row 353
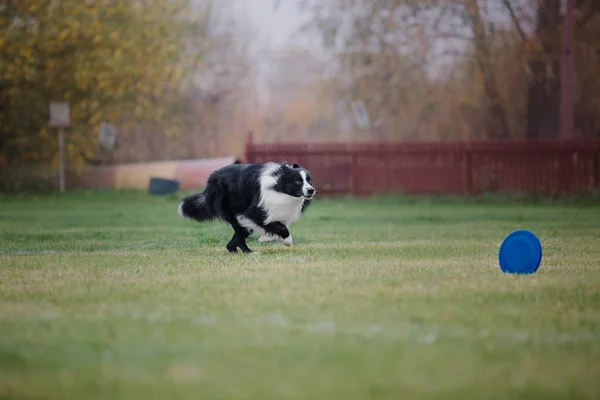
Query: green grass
column 111, row 295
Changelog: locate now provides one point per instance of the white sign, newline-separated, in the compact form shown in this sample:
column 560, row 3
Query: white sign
column 59, row 114
column 108, row 135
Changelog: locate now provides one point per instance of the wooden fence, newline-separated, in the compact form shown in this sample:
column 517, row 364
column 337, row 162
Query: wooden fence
column 535, row 167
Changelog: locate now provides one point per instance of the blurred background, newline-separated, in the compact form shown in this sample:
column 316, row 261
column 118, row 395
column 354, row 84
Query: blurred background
column 167, row 80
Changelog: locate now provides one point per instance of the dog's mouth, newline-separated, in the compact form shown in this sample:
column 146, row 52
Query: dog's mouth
column 309, row 196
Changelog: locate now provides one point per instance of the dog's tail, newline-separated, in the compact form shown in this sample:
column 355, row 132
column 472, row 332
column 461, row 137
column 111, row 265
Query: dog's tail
column 197, row 207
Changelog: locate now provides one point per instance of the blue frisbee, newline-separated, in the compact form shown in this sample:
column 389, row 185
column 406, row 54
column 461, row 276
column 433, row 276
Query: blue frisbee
column 520, row 253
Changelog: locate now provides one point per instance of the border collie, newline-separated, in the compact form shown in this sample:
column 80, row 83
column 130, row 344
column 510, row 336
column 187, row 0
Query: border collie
column 253, row 198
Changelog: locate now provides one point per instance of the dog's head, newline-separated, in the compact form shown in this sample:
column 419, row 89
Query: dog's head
column 296, row 181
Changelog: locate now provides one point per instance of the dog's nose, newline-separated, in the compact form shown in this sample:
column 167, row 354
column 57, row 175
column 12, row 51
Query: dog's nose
column 310, row 191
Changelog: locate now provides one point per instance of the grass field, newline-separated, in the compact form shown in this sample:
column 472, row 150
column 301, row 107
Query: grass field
column 111, row 295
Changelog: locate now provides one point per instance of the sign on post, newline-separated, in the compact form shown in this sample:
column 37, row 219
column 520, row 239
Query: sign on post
column 60, row 116
column 107, row 136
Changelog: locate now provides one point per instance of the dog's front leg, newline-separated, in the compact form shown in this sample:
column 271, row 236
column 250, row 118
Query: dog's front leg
column 279, row 231
column 268, row 237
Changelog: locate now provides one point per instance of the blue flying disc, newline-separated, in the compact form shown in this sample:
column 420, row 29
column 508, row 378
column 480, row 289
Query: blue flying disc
column 520, row 253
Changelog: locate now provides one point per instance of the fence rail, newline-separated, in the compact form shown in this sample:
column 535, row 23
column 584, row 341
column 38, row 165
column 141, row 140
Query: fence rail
column 549, row 167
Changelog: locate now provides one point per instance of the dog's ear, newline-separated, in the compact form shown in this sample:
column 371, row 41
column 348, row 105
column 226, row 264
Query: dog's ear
column 296, row 166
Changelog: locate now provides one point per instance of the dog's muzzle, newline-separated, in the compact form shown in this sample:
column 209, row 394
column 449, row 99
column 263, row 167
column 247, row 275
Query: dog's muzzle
column 310, row 194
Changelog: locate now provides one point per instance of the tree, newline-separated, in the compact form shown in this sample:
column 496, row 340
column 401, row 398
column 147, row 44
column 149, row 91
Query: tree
column 216, row 105
column 393, row 42
column 118, row 61
column 543, row 106
column 500, row 60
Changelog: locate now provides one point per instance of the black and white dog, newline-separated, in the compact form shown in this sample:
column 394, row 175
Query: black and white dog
column 253, row 198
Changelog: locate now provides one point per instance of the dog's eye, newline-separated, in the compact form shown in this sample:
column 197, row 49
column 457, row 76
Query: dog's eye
column 298, row 182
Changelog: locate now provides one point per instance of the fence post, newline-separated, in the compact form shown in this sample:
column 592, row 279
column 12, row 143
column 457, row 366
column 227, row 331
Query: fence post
column 249, row 152
column 596, row 170
column 385, row 155
column 466, row 170
column 353, row 169
column 566, row 169
column 304, row 157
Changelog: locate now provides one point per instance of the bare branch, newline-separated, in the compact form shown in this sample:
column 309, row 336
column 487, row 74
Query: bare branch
column 515, row 19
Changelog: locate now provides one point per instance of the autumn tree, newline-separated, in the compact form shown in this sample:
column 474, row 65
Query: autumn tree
column 460, row 68
column 118, row 61
column 215, row 106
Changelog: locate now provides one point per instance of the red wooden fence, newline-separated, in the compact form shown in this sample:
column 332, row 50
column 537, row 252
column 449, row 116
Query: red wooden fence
column 536, row 167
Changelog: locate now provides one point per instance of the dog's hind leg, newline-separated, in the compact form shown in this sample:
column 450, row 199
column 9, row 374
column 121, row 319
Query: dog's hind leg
column 239, row 238
column 241, row 233
column 232, row 246
column 237, row 241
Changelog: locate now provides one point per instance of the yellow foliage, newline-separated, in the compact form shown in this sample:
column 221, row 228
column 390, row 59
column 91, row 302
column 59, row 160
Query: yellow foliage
column 112, row 61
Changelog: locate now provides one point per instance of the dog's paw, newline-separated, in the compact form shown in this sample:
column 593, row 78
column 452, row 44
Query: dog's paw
column 288, row 241
column 266, row 237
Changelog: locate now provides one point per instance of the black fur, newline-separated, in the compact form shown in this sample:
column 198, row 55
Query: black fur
column 235, row 191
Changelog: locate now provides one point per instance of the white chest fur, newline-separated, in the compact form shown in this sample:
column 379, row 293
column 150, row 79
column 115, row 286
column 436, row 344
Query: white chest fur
column 281, row 207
